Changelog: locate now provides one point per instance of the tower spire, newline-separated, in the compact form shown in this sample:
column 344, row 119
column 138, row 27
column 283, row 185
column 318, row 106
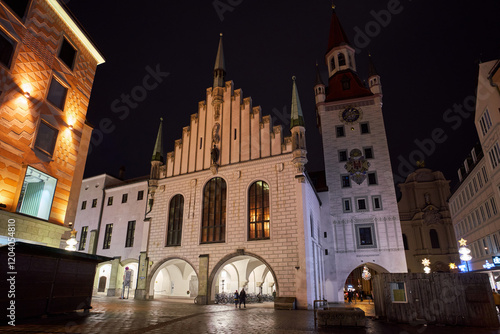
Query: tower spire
column 318, row 76
column 220, row 66
column 372, row 71
column 297, row 119
column 158, row 150
column 337, row 35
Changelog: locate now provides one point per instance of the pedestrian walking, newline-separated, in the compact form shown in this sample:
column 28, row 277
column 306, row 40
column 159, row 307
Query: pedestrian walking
column 236, row 297
column 349, row 296
column 243, row 297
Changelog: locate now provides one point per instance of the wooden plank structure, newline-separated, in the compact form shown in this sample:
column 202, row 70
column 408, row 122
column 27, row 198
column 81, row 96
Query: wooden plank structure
column 46, row 280
column 463, row 299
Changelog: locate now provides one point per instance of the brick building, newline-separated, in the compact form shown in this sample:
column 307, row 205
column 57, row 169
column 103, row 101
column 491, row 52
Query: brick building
column 47, row 67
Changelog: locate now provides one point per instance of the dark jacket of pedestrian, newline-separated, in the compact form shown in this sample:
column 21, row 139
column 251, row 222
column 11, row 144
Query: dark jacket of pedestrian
column 243, row 296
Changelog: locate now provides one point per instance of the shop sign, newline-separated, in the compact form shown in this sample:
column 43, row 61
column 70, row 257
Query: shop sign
column 488, row 265
column 496, row 260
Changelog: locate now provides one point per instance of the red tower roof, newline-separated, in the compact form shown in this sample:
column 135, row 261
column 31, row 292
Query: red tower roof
column 337, row 33
column 346, row 85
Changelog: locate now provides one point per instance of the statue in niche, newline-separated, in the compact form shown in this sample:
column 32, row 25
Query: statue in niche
column 215, row 155
column 427, row 197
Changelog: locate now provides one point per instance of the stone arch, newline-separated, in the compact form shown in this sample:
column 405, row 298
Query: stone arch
column 345, row 275
column 161, row 265
column 231, row 258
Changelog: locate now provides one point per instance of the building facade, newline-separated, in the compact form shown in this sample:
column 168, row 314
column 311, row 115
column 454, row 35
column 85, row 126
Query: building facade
column 47, row 67
column 110, row 222
column 426, row 221
column 233, row 207
column 360, row 215
column 474, row 203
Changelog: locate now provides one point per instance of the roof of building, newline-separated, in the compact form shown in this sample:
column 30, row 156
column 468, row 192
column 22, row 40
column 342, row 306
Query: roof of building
column 336, row 90
column 337, row 34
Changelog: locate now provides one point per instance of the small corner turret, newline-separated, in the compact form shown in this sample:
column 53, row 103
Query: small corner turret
column 219, row 76
column 373, row 78
column 157, row 158
column 298, row 131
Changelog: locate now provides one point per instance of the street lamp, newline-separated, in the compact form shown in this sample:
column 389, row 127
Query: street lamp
column 71, row 242
column 464, row 252
column 426, row 263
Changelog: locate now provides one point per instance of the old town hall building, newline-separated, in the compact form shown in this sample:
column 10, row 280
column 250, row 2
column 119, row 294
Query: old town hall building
column 233, row 207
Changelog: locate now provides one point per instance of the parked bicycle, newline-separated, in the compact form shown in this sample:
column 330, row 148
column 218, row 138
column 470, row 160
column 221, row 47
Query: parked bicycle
column 221, row 298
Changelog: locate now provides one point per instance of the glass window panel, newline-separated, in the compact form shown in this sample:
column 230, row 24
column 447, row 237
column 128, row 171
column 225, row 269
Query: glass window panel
column 37, row 194
column 57, row 94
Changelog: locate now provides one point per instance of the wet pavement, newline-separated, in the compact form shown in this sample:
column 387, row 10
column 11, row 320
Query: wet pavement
column 113, row 315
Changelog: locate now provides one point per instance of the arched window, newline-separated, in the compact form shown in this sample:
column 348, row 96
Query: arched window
column 341, row 58
column 258, row 211
column 434, row 238
column 332, row 63
column 174, row 232
column 405, row 242
column 213, row 224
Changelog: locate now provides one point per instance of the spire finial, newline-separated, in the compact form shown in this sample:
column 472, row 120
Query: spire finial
column 296, row 117
column 333, row 5
column 161, row 119
column 293, row 78
column 220, row 34
column 220, row 67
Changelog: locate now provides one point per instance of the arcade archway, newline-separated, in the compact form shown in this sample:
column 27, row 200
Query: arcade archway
column 174, row 278
column 360, row 281
column 248, row 271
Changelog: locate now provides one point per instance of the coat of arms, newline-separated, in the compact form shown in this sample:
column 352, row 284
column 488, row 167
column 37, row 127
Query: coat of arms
column 357, row 166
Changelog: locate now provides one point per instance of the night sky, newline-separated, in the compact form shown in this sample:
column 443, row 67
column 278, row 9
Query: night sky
column 426, row 52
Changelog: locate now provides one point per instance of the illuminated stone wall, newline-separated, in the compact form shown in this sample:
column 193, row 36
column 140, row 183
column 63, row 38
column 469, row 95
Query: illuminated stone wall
column 37, row 39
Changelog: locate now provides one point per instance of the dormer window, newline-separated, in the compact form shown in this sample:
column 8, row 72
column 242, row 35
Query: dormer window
column 346, row 83
column 341, row 58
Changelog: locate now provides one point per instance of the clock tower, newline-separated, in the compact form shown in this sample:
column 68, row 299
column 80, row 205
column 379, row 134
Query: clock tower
column 363, row 214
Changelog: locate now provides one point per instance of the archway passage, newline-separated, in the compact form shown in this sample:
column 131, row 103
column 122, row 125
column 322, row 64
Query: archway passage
column 358, row 286
column 175, row 278
column 243, row 271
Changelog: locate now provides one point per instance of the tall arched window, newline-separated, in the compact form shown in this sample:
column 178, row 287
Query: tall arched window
column 341, row 58
column 174, row 232
column 405, row 242
column 332, row 63
column 434, row 238
column 213, row 224
column 258, row 211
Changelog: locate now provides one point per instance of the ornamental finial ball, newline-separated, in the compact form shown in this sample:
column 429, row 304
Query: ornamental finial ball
column 161, row 119
column 293, row 78
column 333, row 5
column 220, row 34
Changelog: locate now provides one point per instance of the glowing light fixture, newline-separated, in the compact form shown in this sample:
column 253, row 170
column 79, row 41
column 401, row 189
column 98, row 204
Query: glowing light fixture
column 464, row 252
column 426, row 263
column 366, row 274
column 71, row 242
column 453, row 266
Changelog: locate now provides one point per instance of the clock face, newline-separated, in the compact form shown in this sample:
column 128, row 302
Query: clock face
column 350, row 115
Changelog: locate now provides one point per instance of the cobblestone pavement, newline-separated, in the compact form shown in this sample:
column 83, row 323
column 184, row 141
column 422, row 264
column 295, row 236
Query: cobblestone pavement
column 112, row 315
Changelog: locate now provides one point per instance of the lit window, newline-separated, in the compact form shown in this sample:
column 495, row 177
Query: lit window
column 19, row 7
column 46, row 138
column 94, row 202
column 110, row 200
column 37, row 194
column 213, row 225
column 57, row 94
column 129, row 242
column 7, row 47
column 258, row 211
column 67, row 53
column 175, row 217
column 83, row 238
column 124, row 198
column 107, row 236
column 140, row 195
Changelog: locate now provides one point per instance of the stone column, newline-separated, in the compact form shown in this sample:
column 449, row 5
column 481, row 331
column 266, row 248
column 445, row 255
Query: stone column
column 203, row 295
column 142, row 275
column 113, row 277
